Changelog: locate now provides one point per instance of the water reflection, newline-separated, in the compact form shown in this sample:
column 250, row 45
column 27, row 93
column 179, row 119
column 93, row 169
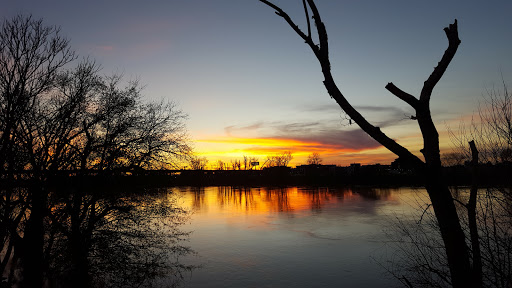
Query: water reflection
column 199, row 199
column 290, row 236
column 101, row 236
column 279, row 199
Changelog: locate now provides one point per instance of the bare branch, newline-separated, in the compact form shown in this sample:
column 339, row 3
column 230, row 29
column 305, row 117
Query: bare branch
column 406, row 97
column 322, row 32
column 453, row 43
column 307, row 17
column 294, row 26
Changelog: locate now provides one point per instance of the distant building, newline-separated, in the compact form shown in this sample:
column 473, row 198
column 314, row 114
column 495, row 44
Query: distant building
column 354, row 168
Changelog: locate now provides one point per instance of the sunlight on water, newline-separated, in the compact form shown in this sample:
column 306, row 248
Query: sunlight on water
column 292, row 237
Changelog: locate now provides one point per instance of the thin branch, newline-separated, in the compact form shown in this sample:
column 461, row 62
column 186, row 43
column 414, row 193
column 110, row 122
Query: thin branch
column 294, row 26
column 307, row 17
column 423, row 214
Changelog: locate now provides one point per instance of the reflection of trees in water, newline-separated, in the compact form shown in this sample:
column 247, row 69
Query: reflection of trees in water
column 278, row 198
column 198, row 201
column 13, row 210
column 285, row 199
column 237, row 196
column 318, row 196
column 105, row 238
column 372, row 193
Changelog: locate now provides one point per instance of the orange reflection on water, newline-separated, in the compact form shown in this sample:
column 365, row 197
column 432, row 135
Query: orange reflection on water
column 246, row 200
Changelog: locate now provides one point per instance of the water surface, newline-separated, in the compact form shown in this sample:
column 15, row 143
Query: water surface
column 292, row 237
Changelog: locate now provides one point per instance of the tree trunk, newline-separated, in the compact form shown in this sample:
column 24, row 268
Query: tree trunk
column 451, row 231
column 441, row 198
column 473, row 226
column 33, row 240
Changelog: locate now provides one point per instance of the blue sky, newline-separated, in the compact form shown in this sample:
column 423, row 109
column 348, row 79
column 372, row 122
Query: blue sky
column 241, row 73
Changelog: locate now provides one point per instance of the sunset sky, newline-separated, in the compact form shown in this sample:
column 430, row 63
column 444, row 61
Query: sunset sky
column 252, row 87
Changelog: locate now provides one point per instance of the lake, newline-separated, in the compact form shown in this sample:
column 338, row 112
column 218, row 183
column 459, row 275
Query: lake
column 294, row 236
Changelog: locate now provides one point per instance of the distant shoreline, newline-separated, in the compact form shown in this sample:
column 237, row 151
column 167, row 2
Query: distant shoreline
column 311, row 175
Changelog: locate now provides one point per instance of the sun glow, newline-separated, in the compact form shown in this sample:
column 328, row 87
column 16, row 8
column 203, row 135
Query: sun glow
column 234, row 148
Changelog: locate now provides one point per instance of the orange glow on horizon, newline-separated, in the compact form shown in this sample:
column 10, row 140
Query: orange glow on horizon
column 229, row 148
column 234, row 148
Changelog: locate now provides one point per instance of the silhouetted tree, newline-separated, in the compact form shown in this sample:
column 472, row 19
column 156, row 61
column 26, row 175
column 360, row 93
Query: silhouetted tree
column 278, row 160
column 198, row 163
column 489, row 216
column 490, row 128
column 453, row 236
column 30, row 56
column 53, row 120
column 248, row 162
column 236, row 165
column 221, row 165
column 314, row 159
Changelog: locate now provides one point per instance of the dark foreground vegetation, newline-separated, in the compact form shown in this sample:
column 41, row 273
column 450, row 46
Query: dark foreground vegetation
column 59, row 115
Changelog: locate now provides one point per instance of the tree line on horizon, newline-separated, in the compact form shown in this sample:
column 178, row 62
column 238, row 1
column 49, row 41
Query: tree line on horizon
column 281, row 159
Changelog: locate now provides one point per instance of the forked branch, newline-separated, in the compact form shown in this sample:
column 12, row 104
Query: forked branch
column 322, row 53
column 307, row 17
column 453, row 43
column 295, row 27
column 428, row 86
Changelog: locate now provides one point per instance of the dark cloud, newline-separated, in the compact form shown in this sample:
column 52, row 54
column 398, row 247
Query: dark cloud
column 334, row 139
column 317, row 135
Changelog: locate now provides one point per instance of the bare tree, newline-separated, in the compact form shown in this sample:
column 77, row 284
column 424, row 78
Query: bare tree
column 314, row 159
column 489, row 216
column 198, row 163
column 249, row 161
column 278, row 160
column 53, row 120
column 490, row 128
column 221, row 165
column 446, row 213
column 30, row 56
column 236, row 165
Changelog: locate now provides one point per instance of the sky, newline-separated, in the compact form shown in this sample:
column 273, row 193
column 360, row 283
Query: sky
column 251, row 86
